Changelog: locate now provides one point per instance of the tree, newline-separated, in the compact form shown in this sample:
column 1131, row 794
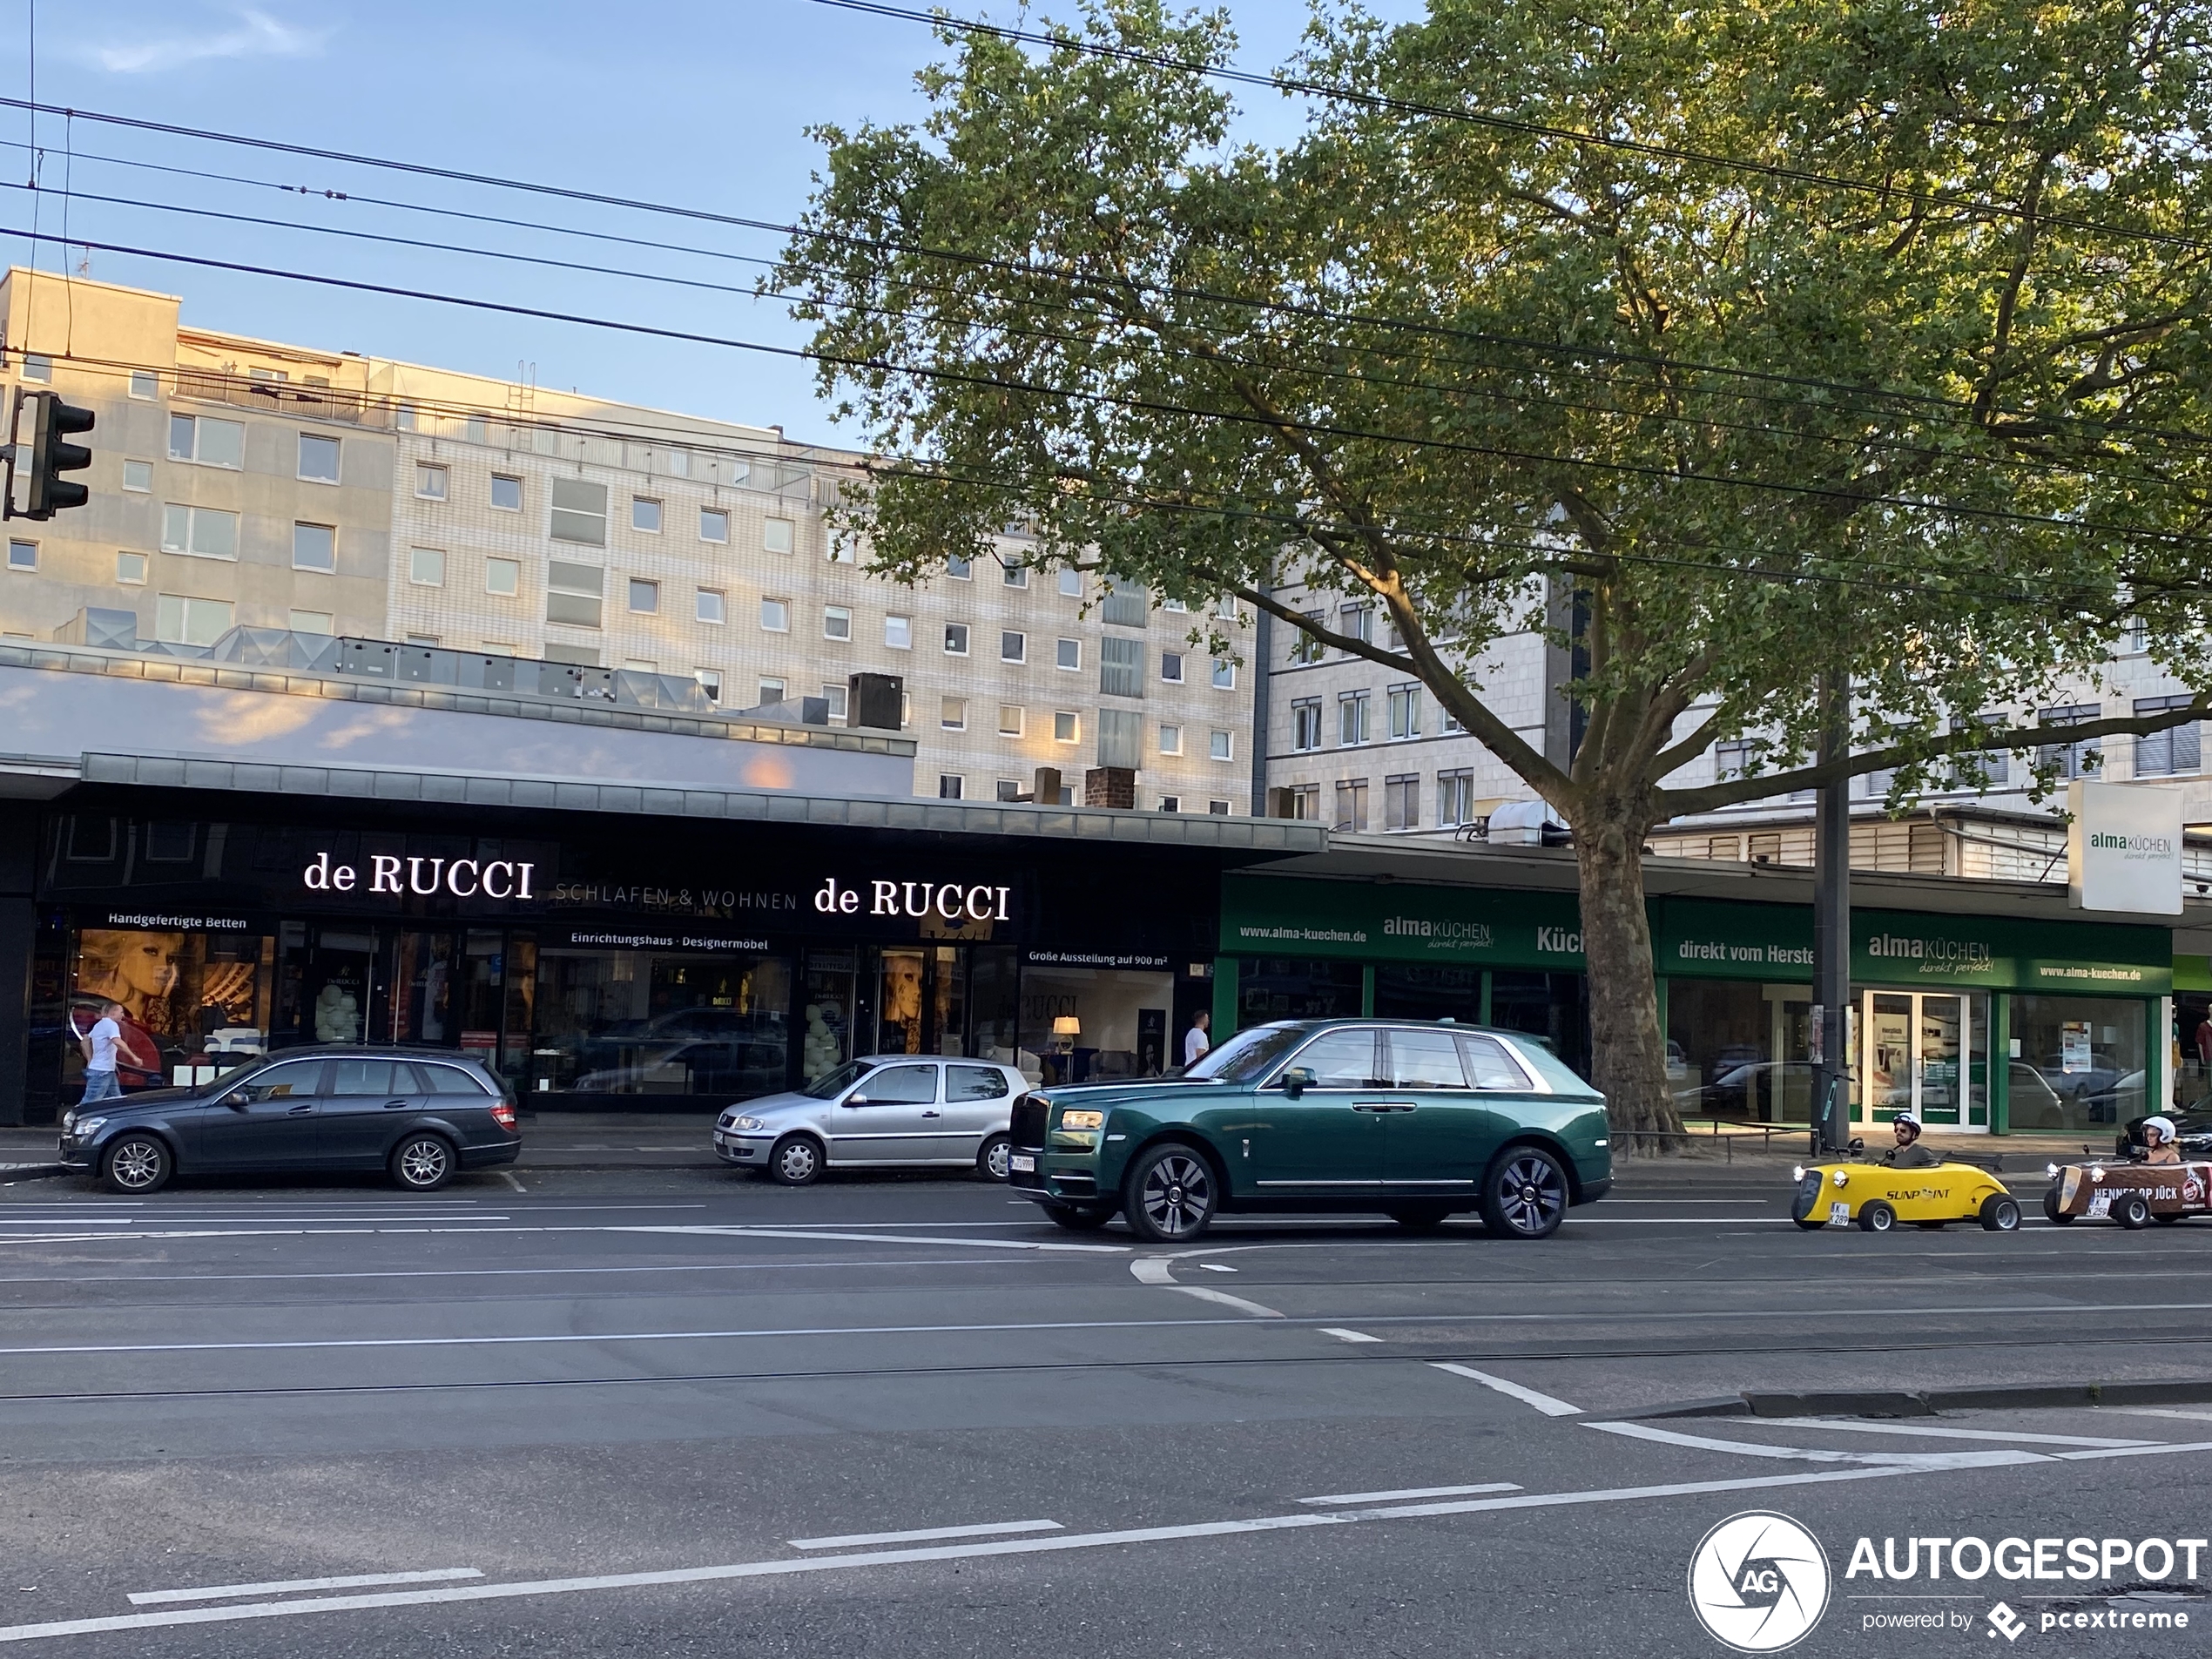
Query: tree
column 1812, row 343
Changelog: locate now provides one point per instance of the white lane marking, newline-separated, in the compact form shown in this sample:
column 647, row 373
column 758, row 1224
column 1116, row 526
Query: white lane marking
column 1343, row 1335
column 1217, row 1267
column 1992, row 1458
column 2160, row 1411
column 1413, row 1492
column 1160, row 1271
column 1222, row 1299
column 735, row 1230
column 216, row 1592
column 1152, row 1270
column 753, row 1264
column 371, row 1229
column 938, row 1553
column 508, row 1176
column 2001, row 1434
column 1544, row 1403
column 983, row 1530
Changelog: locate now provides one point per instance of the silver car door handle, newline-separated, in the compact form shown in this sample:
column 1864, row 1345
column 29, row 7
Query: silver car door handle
column 932, row 1114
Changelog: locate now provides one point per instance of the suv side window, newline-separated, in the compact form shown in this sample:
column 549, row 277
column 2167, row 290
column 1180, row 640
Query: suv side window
column 976, row 1082
column 296, row 1080
column 900, row 1086
column 1424, row 1060
column 1341, row 1059
column 1490, row 1066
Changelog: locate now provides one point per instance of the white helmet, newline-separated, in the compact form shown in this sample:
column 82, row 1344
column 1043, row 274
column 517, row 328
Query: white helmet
column 1907, row 1115
column 2164, row 1126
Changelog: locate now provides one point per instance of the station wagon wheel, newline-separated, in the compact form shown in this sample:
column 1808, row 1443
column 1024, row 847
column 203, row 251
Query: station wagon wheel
column 796, row 1161
column 1526, row 1194
column 993, row 1161
column 2053, row 1211
column 137, row 1163
column 1999, row 1214
column 1875, row 1216
column 1170, row 1195
column 2131, row 1210
column 423, row 1163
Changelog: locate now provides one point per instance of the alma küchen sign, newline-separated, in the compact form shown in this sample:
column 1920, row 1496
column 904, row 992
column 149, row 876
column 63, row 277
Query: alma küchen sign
column 2123, row 848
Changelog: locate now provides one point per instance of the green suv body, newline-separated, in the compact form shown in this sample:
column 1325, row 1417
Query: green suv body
column 1417, row 1121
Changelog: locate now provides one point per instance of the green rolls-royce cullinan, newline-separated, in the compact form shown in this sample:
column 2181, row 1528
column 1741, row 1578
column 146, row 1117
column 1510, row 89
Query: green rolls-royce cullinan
column 1415, row 1121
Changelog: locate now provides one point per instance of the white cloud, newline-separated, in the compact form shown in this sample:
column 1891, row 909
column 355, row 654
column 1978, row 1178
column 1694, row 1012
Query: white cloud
column 257, row 35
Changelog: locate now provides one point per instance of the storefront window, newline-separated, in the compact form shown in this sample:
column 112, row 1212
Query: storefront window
column 191, row 1001
column 649, row 1023
column 1273, row 987
column 826, row 1013
column 2077, row 1062
column 1737, row 1051
column 993, row 986
column 1088, row 1023
column 1418, row 992
column 1553, row 1008
column 2192, row 1050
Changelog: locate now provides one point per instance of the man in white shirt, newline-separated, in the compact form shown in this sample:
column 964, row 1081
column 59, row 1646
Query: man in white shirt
column 100, row 1044
column 1194, row 1042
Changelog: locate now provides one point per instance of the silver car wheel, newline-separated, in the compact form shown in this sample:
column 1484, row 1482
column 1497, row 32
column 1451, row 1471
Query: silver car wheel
column 998, row 1159
column 1177, row 1195
column 798, row 1160
column 1531, row 1194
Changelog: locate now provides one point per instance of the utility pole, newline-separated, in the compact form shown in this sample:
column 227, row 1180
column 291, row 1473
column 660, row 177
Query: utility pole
column 1831, row 928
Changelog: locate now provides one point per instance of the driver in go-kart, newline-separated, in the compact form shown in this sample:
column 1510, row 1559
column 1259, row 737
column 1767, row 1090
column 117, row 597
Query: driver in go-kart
column 1908, row 1153
column 2160, row 1144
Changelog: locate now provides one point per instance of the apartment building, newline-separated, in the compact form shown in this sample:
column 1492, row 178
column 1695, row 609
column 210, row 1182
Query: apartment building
column 246, row 482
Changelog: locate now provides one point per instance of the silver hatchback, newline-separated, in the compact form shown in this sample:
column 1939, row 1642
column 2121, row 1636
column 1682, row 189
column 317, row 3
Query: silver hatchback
column 885, row 1111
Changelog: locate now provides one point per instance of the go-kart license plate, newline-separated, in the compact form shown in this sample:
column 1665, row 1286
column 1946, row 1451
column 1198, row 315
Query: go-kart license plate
column 1838, row 1213
column 2100, row 1205
column 1022, row 1163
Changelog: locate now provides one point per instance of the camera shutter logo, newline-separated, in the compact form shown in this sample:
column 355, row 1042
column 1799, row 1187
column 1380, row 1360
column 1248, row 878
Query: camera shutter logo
column 1758, row 1582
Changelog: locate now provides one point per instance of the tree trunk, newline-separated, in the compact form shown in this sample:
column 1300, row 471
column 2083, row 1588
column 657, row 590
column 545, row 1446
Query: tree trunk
column 1627, row 1049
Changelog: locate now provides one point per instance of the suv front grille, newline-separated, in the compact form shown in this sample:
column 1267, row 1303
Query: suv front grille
column 1028, row 1126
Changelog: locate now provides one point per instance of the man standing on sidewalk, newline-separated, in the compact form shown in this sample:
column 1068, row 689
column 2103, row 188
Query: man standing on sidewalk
column 1194, row 1040
column 100, row 1044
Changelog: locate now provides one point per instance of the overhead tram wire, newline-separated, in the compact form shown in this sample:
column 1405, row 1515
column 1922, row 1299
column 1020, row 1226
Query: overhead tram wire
column 1896, row 446
column 1553, row 349
column 1947, row 509
column 1512, row 124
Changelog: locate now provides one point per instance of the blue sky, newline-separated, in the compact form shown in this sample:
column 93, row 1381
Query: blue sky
column 700, row 106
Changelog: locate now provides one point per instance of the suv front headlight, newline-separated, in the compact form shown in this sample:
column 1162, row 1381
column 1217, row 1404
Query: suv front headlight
column 1083, row 1120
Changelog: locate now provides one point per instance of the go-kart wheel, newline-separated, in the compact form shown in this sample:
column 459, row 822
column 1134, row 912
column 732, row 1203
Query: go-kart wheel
column 1875, row 1216
column 2131, row 1210
column 1810, row 1224
column 2054, row 1212
column 1999, row 1214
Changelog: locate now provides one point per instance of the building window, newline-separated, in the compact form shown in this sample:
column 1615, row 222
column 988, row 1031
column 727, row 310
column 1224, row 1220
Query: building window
column 208, row 443
column 714, row 524
column 948, row 788
column 1352, row 806
column 1353, row 726
column 1171, row 803
column 573, row 593
column 1008, row 789
column 1011, row 720
column 645, row 597
column 961, row 568
column 1222, row 745
column 137, row 476
column 130, row 568
column 422, row 640
column 776, row 536
column 1304, row 647
column 37, row 366
column 952, row 713
column 1302, row 802
column 766, row 691
column 1218, row 808
column 1358, row 620
column 645, row 514
column 1994, row 765
column 1454, row 798
column 1305, row 722
column 431, row 484
column 144, row 383
column 1121, row 739
column 506, row 492
column 1224, row 609
column 1071, row 583
column 708, row 606
column 314, row 547
column 1124, row 605
column 837, row 622
column 834, row 696
column 710, row 681
column 1404, row 712
column 1017, row 574
column 1067, row 727
column 1171, row 740
column 1402, row 802
column 775, row 618
column 898, row 633
column 312, row 622
column 181, row 621
column 1171, row 667
column 1225, row 674
column 1014, row 648
column 504, row 576
column 956, row 639
column 203, row 531
column 426, row 567
column 2072, row 759
column 1731, row 758
column 579, row 512
column 1068, row 654
column 318, row 458
column 1121, row 666
column 22, row 556
column 2178, row 749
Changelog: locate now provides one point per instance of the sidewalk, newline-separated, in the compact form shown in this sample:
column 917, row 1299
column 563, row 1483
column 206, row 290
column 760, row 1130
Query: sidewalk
column 1744, row 1159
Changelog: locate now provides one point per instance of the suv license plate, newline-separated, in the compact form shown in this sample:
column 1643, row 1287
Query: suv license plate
column 1022, row 1163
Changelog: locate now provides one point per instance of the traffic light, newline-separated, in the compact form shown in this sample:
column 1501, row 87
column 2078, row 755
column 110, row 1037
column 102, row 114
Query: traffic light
column 52, row 421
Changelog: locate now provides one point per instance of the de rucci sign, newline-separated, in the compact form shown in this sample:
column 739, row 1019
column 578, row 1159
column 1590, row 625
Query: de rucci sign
column 462, row 878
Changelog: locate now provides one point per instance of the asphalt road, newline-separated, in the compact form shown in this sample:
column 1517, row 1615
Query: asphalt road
column 675, row 1412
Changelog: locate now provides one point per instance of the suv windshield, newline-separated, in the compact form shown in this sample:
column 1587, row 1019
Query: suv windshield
column 832, row 1084
column 1247, row 1056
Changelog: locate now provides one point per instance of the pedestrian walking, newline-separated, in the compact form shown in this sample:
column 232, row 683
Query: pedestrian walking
column 100, row 1045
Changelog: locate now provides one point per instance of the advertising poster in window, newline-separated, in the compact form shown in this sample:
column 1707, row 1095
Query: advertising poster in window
column 186, row 997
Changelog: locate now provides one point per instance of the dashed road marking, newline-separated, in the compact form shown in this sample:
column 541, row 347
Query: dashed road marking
column 1343, row 1335
column 1413, row 1492
column 351, row 1580
column 983, row 1529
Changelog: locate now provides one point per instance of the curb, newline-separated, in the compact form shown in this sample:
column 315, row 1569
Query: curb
column 31, row 1171
column 1928, row 1402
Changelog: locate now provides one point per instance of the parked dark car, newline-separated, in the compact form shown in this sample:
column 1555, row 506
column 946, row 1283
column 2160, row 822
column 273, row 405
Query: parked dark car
column 418, row 1115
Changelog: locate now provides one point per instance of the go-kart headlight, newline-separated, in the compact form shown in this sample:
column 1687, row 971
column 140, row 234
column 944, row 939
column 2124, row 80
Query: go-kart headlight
column 1798, row 1172
column 1842, row 1179
column 2051, row 1170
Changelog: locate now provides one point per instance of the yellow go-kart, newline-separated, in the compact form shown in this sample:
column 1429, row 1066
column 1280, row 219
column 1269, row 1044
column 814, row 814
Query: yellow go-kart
column 1878, row 1197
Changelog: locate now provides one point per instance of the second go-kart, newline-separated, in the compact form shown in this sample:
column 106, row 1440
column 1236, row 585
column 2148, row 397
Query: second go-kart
column 1878, row 1197
column 2133, row 1195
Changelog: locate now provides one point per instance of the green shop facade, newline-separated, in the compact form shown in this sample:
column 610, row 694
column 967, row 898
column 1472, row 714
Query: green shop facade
column 1980, row 1023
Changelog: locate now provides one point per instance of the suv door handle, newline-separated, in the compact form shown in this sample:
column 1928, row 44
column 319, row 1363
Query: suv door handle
column 1384, row 1106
